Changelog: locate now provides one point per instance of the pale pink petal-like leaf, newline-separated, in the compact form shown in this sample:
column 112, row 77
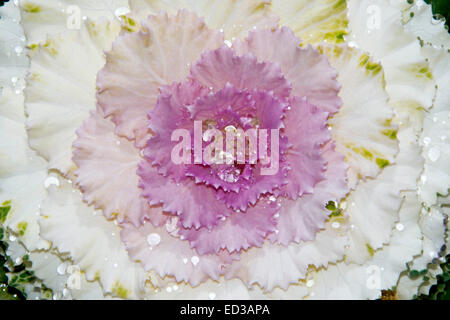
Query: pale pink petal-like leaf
column 142, row 62
column 308, row 71
column 106, row 172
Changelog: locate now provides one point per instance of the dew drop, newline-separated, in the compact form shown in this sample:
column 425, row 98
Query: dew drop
column 400, row 227
column 51, row 181
column 61, row 269
column 423, row 179
column 434, row 154
column 121, row 11
column 153, row 239
column 171, row 225
column 335, row 225
column 195, row 260
column 18, row 49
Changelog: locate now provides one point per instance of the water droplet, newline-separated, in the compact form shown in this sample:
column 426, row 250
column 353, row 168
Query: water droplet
column 169, row 289
column 399, row 227
column 335, row 225
column 171, row 225
column 65, row 292
column 18, row 49
column 212, row 295
column 121, row 11
column 51, row 181
column 153, row 239
column 195, row 260
column 61, row 269
column 434, row 154
column 426, row 141
column 423, row 178
column 228, row 43
column 310, row 283
column 185, row 260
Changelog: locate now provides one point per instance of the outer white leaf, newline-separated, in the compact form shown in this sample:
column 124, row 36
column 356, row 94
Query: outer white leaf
column 431, row 223
column 373, row 207
column 421, row 23
column 375, row 26
column 22, row 172
column 235, row 18
column 57, row 102
column 314, row 21
column 436, row 130
column 48, row 18
column 381, row 271
column 275, row 265
column 13, row 61
column 65, row 279
column 210, row 290
column 362, row 128
column 92, row 242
